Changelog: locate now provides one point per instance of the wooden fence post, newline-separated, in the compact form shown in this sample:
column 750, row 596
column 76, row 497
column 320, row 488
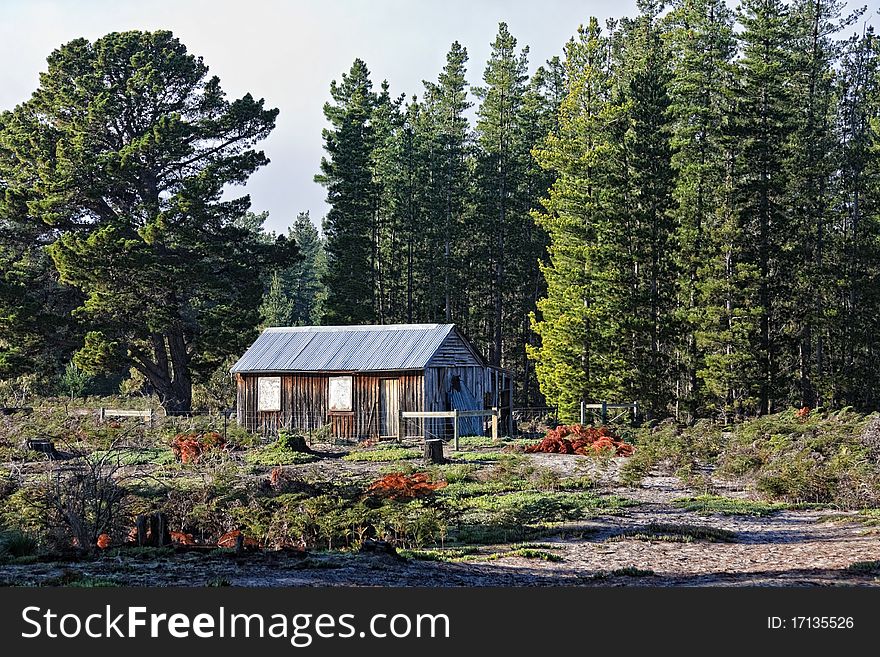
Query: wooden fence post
column 583, row 412
column 604, row 412
column 495, row 424
column 455, row 428
column 101, row 414
column 400, row 431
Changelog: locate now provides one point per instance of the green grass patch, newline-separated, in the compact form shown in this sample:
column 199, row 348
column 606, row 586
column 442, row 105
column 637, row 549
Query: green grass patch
column 449, row 555
column 134, row 456
column 382, row 454
column 277, row 454
column 525, row 553
column 673, row 533
column 479, row 441
column 864, row 568
column 531, row 507
column 632, row 571
column 467, row 489
column 16, row 544
column 865, row 517
column 728, row 506
column 468, row 457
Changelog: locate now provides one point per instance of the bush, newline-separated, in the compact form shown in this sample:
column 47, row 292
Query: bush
column 278, row 453
column 89, row 499
column 17, row 544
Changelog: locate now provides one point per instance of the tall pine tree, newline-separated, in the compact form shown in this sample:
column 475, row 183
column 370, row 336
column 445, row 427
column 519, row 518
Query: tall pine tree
column 346, row 173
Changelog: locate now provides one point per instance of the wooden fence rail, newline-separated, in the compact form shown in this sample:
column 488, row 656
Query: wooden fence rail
column 454, row 415
column 603, row 408
column 148, row 415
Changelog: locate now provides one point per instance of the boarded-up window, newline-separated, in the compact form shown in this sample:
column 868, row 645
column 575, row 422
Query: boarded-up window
column 269, row 393
column 340, row 393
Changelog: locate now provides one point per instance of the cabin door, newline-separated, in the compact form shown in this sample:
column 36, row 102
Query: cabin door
column 388, row 407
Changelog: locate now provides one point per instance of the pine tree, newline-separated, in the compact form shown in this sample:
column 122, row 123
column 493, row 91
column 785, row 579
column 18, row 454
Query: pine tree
column 125, row 150
column 277, row 306
column 346, row 172
column 577, row 359
column 700, row 38
column 764, row 127
column 645, row 229
column 500, row 174
column 452, row 140
column 540, row 117
column 812, row 159
column 855, row 325
column 303, row 280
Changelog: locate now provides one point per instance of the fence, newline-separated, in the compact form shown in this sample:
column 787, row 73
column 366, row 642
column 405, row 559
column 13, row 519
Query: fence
column 600, row 411
column 454, row 415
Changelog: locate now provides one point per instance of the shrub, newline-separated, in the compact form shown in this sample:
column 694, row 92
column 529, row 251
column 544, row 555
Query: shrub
column 278, row 453
column 90, row 498
column 17, row 544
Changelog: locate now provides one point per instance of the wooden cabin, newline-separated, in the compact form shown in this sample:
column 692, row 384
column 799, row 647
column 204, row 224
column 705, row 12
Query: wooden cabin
column 357, row 379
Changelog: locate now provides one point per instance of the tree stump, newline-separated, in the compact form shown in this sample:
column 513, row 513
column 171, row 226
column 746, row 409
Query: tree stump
column 141, row 524
column 159, row 532
column 434, row 450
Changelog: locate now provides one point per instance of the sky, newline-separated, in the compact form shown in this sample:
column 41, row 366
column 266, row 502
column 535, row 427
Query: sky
column 288, row 52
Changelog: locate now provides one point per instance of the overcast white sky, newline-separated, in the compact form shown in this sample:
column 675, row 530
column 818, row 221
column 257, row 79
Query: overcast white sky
column 288, row 52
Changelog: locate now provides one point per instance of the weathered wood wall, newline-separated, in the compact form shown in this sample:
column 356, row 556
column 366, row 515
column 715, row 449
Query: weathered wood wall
column 305, row 403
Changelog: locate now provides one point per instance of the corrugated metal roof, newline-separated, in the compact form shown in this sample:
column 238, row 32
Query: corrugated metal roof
column 344, row 348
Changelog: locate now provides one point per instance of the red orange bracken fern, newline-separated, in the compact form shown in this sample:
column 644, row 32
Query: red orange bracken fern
column 188, row 447
column 578, row 439
column 398, row 486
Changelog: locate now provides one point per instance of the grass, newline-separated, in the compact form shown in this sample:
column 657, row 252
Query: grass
column 276, row 454
column 134, row 456
column 864, row 568
column 478, row 456
column 383, row 454
column 478, row 441
column 535, row 551
column 467, row 489
column 448, row 555
column 678, row 534
column 532, row 507
column 632, row 571
column 728, row 506
column 864, row 517
column 526, row 553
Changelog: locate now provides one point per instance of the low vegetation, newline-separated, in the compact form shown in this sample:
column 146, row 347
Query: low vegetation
column 678, row 534
column 708, row 504
column 486, row 503
column 791, row 457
